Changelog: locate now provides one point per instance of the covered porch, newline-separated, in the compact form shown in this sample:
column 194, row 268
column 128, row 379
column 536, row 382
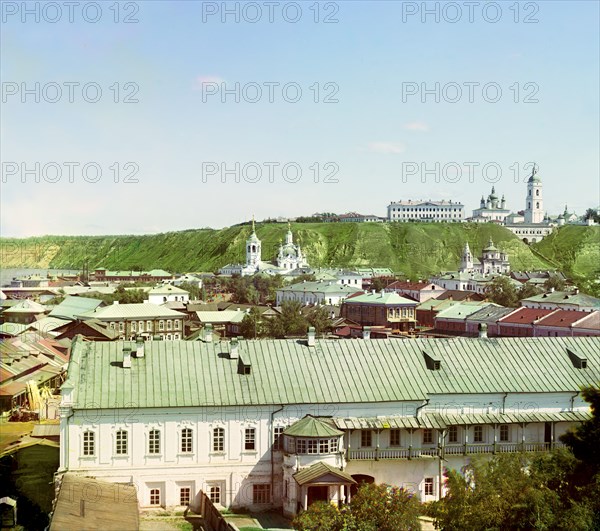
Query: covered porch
column 322, row 482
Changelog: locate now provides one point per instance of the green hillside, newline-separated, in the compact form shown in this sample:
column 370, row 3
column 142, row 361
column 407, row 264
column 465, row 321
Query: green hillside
column 416, row 249
column 576, row 247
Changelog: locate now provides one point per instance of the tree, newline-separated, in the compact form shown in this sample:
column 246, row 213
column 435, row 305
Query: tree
column 592, row 213
column 291, row 318
column 527, row 290
column 192, row 289
column 385, row 508
column 319, row 318
column 502, row 291
column 251, row 326
column 373, row 508
column 555, row 282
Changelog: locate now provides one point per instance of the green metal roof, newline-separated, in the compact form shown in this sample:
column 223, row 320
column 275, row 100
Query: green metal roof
column 12, row 329
column 72, row 306
column 310, row 426
column 167, row 289
column 385, row 298
column 181, row 373
column 463, row 310
column 131, row 311
column 317, row 471
column 566, row 297
column 320, row 287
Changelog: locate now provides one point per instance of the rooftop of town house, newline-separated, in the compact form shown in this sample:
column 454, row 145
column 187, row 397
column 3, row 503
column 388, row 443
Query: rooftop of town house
column 181, row 373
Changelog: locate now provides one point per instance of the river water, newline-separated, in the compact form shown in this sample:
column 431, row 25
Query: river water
column 6, row 275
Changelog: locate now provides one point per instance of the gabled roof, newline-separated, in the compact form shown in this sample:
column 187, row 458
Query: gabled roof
column 563, row 318
column 311, row 426
column 12, row 329
column 71, row 306
column 462, row 310
column 226, row 316
column 490, row 313
column 26, row 306
column 387, row 297
column 413, row 286
column 566, row 297
column 320, row 287
column 167, row 289
column 131, row 311
column 525, row 316
column 321, row 470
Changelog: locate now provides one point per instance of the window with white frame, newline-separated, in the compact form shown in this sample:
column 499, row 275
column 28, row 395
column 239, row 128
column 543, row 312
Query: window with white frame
column 121, row 440
column 261, row 493
column 169, row 324
column 250, row 439
column 134, row 326
column 155, row 497
column 395, row 437
column 185, row 496
column 504, row 433
column 161, row 325
column 312, row 446
column 176, row 324
column 154, row 441
column 175, row 336
column 186, row 440
column 214, row 493
column 428, row 486
column 148, row 326
column 478, row 434
column 121, row 326
column 218, row 439
column 277, row 438
column 89, row 443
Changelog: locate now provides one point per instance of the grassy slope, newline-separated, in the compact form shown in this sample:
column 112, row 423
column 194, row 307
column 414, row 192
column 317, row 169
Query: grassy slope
column 576, row 247
column 416, row 249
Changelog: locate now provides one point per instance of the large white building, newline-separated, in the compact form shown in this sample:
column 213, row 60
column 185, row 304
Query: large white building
column 492, row 260
column 282, row 423
column 403, row 211
column 492, row 209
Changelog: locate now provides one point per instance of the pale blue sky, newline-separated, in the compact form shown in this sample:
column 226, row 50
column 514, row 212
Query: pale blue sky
column 369, row 133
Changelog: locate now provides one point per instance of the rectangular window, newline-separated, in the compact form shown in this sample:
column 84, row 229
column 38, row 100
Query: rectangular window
column 261, row 493
column 249, row 439
column 394, row 437
column 453, row 434
column 428, row 486
column 161, row 325
column 121, row 326
column 148, row 326
column 218, row 440
column 277, row 438
column 133, row 326
column 154, row 442
column 176, row 323
column 186, row 440
column 169, row 324
column 89, row 443
column 312, row 446
column 121, row 440
column 427, row 436
column 504, row 433
column 333, row 445
column 185, row 496
column 323, row 446
column 366, row 438
column 301, row 446
column 478, row 434
column 154, row 496
column 214, row 494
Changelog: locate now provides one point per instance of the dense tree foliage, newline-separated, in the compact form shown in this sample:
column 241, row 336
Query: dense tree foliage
column 373, row 508
column 502, row 291
column 555, row 282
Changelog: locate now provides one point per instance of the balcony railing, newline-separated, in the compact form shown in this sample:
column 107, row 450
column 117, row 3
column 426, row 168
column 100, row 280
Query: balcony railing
column 451, row 449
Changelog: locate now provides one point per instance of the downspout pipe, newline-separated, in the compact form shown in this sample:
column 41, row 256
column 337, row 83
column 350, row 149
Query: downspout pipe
column 573, row 400
column 273, row 413
column 419, row 408
column 504, row 403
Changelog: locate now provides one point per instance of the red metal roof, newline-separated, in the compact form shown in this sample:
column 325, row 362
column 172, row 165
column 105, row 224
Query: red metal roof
column 525, row 316
column 562, row 318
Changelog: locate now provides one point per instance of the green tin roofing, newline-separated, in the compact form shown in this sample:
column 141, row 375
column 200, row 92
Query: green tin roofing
column 319, row 471
column 464, row 310
column 182, row 374
column 72, row 306
column 385, row 298
column 566, row 297
column 131, row 311
column 320, row 287
column 310, row 426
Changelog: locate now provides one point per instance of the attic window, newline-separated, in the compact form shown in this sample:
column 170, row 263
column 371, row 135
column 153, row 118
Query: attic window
column 579, row 362
column 244, row 368
column 433, row 364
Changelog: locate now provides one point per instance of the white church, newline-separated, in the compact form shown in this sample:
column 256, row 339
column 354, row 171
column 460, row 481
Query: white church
column 492, row 260
column 289, row 258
